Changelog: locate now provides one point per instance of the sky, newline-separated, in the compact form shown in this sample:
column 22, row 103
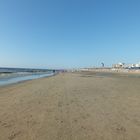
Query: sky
column 69, row 33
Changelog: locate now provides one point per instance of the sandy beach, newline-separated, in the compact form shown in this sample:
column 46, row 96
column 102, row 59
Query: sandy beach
column 72, row 106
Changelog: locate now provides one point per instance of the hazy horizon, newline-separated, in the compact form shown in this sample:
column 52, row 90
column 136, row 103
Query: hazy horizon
column 68, row 33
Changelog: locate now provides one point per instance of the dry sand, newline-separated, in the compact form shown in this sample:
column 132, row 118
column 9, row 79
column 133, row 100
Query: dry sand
column 78, row 106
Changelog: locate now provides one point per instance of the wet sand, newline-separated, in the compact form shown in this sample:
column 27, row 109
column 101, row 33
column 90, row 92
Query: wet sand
column 72, row 106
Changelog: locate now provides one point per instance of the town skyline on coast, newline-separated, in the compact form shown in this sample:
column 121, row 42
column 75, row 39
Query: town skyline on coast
column 68, row 34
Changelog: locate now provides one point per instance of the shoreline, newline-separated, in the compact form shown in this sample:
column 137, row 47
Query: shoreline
column 25, row 79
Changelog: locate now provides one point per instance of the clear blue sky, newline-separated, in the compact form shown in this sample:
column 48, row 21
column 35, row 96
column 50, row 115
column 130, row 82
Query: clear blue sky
column 69, row 33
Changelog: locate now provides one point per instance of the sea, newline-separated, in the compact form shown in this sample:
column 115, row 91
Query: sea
column 16, row 75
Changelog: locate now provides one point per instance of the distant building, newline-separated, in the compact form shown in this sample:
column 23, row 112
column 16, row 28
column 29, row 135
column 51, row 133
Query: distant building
column 138, row 65
column 119, row 65
column 135, row 66
column 126, row 66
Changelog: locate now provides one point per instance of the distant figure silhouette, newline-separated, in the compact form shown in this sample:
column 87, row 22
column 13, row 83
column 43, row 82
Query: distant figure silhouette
column 53, row 71
column 103, row 64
